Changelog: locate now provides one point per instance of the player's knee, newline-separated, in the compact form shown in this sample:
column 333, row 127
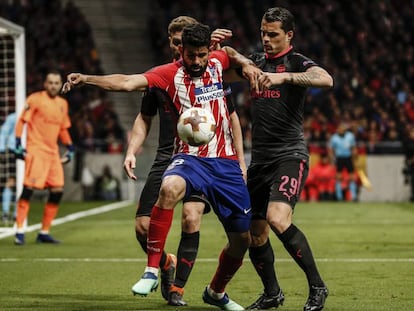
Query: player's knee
column 55, row 197
column 191, row 216
column 191, row 223
column 258, row 240
column 238, row 242
column 279, row 225
column 259, row 232
column 279, row 217
column 171, row 192
column 246, row 240
column 141, row 228
column 26, row 194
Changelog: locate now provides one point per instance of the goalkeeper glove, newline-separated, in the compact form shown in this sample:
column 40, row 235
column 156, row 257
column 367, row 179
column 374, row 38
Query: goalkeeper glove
column 69, row 154
column 20, row 152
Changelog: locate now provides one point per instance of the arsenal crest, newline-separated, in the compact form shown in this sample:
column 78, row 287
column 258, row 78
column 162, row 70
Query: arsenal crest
column 280, row 68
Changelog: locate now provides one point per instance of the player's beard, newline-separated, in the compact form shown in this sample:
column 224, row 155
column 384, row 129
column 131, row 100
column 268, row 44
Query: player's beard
column 195, row 71
column 52, row 92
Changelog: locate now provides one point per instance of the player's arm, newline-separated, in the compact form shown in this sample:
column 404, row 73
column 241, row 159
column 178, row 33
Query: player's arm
column 65, row 138
column 113, row 82
column 238, row 142
column 248, row 67
column 331, row 150
column 218, row 36
column 19, row 126
column 139, row 132
column 19, row 151
column 314, row 76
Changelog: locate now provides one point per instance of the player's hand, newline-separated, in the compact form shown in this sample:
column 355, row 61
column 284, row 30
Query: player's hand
column 20, row 152
column 129, row 166
column 267, row 80
column 73, row 79
column 218, row 36
column 69, row 154
column 252, row 73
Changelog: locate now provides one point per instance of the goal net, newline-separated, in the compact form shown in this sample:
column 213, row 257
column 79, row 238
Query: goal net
column 12, row 99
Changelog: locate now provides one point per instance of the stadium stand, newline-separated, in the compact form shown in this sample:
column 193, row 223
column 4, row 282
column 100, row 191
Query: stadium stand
column 54, row 40
column 366, row 45
column 353, row 41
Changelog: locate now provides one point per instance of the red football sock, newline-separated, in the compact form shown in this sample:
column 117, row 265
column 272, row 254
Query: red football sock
column 227, row 267
column 160, row 224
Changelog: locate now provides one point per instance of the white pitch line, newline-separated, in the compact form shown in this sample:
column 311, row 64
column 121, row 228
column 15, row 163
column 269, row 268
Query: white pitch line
column 343, row 260
column 117, row 205
column 71, row 217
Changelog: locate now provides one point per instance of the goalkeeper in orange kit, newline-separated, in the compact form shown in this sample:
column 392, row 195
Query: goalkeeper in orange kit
column 47, row 120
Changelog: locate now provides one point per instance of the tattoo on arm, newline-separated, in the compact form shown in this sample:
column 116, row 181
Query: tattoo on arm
column 305, row 78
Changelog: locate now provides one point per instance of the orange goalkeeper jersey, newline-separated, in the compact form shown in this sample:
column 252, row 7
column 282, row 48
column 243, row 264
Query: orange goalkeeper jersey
column 45, row 118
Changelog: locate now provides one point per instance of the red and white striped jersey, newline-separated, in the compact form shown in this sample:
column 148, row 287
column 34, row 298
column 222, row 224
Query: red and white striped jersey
column 206, row 92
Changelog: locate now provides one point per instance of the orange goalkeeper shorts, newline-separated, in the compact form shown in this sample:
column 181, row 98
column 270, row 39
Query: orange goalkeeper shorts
column 43, row 171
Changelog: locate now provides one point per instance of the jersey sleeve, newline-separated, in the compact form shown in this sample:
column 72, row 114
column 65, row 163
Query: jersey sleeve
column 160, row 76
column 148, row 104
column 222, row 57
column 29, row 108
column 66, row 120
column 229, row 98
column 304, row 63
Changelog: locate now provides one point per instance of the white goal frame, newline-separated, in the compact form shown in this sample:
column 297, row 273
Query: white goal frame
column 8, row 28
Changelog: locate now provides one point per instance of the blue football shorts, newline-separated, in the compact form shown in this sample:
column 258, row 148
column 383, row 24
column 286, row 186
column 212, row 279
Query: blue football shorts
column 221, row 181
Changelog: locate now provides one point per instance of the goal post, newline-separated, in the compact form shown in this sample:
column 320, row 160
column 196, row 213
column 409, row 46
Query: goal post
column 12, row 81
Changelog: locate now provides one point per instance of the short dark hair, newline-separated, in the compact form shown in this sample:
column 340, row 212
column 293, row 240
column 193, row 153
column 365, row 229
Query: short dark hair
column 197, row 35
column 278, row 14
column 178, row 23
column 53, row 72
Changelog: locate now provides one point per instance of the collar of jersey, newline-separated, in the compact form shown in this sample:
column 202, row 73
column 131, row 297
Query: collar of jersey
column 284, row 52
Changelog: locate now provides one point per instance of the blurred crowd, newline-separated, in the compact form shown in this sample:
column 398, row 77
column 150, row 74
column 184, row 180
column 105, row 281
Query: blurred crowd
column 366, row 45
column 58, row 36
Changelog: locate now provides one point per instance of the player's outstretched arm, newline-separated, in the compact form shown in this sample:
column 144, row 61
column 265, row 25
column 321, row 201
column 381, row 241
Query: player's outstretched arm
column 114, row 82
column 313, row 77
column 139, row 132
column 238, row 142
column 249, row 69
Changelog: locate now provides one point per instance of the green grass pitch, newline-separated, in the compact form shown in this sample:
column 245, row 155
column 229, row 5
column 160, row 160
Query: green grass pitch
column 365, row 253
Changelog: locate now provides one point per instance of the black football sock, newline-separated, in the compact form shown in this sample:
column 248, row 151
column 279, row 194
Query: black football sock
column 263, row 260
column 187, row 254
column 142, row 243
column 163, row 259
column 298, row 247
